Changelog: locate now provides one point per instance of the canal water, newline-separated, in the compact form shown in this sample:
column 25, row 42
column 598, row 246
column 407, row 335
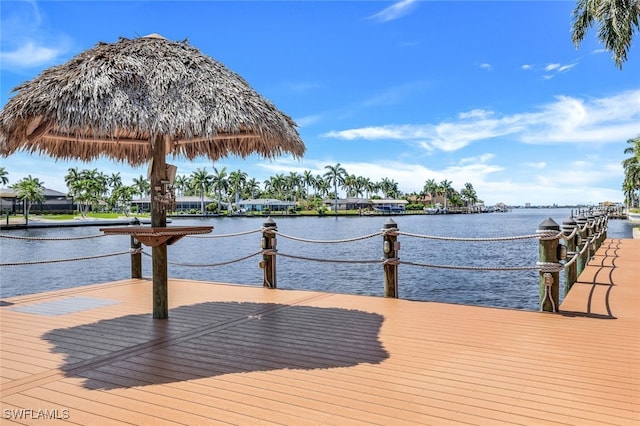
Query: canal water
column 190, row 257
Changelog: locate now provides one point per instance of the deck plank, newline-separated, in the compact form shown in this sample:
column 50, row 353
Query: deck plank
column 233, row 354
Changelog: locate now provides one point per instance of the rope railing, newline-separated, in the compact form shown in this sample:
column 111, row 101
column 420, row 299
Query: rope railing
column 74, row 259
column 306, row 240
column 472, row 268
column 567, row 249
column 18, row 237
column 314, row 259
column 209, row 265
column 237, row 234
column 481, row 239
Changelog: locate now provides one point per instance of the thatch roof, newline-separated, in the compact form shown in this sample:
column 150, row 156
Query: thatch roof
column 111, row 100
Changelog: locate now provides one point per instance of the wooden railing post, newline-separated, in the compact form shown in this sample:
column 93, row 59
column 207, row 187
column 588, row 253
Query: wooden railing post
column 390, row 247
column 136, row 258
column 596, row 231
column 583, row 232
column 604, row 219
column 571, row 271
column 549, row 279
column 268, row 244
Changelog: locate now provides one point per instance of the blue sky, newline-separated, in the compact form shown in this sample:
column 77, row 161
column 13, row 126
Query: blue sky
column 488, row 92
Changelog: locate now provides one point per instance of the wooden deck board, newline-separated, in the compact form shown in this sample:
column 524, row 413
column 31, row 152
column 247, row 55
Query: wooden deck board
column 233, row 354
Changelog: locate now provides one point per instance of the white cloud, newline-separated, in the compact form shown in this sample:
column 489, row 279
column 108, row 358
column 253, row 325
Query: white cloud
column 29, row 54
column 485, row 66
column 479, row 159
column 308, row 120
column 573, row 120
column 527, row 67
column 538, row 165
column 395, row 11
column 26, row 41
column 566, row 120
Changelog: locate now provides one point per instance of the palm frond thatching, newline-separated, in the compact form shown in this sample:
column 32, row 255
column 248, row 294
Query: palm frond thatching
column 114, row 98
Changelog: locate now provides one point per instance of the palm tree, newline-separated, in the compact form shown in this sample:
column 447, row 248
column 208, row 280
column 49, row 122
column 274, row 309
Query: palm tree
column 143, row 187
column 123, row 195
column 631, row 183
column 252, row 188
column 445, row 189
column 335, row 175
column 4, row 179
column 617, row 20
column 86, row 186
column 431, row 188
column 29, row 190
column 201, row 181
column 469, row 195
column 277, row 186
column 293, row 184
column 367, row 185
column 181, row 184
column 114, row 181
column 350, row 184
column 308, row 180
column 236, row 182
column 220, row 183
column 389, row 188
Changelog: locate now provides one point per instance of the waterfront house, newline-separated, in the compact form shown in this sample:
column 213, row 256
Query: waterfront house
column 183, row 204
column 265, row 204
column 350, row 203
column 54, row 201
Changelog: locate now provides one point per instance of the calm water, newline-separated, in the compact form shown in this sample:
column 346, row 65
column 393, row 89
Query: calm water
column 501, row 289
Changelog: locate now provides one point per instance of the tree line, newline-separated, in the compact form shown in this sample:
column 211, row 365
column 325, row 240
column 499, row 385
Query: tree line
column 90, row 187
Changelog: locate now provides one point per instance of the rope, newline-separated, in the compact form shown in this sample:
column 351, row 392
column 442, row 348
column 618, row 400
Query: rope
column 548, row 234
column 570, row 236
column 16, row 237
column 548, row 283
column 348, row 240
column 38, row 262
column 514, row 238
column 573, row 259
column 210, row 265
column 225, row 235
column 472, row 268
column 326, row 260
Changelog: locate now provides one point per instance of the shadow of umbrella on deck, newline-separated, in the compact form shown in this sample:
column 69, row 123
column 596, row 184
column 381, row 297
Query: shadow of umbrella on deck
column 137, row 101
column 216, row 338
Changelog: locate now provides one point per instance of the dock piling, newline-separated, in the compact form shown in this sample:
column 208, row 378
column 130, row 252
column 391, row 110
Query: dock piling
column 136, row 258
column 571, row 271
column 269, row 243
column 549, row 279
column 390, row 247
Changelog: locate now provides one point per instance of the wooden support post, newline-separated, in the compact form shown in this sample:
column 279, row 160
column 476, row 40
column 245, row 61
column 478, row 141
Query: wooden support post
column 159, row 219
column 136, row 258
column 269, row 244
column 602, row 226
column 390, row 247
column 549, row 281
column 583, row 231
column 571, row 271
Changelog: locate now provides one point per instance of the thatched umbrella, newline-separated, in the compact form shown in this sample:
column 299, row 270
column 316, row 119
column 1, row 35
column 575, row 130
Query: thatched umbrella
column 139, row 100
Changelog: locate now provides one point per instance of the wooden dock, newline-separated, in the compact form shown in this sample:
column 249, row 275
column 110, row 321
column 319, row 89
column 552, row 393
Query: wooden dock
column 246, row 355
